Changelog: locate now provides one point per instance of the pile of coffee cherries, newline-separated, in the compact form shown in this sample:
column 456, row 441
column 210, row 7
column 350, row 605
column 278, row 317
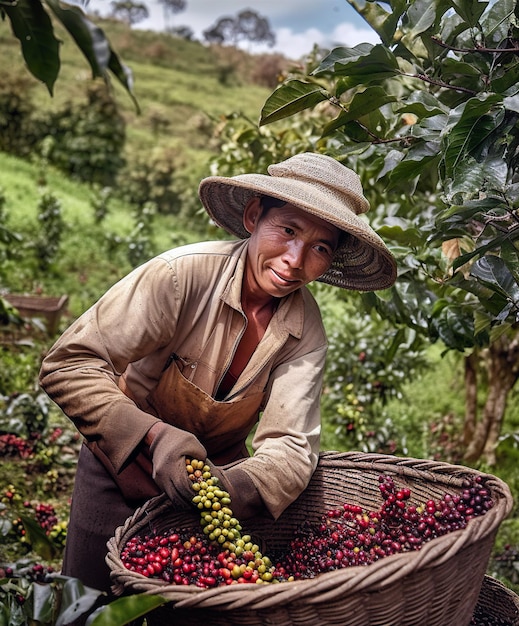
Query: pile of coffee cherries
column 350, row 535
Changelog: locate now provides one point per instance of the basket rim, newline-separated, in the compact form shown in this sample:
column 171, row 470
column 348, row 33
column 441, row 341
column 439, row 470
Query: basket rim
column 374, row 576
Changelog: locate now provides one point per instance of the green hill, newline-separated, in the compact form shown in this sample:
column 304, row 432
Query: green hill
column 183, row 87
column 184, row 90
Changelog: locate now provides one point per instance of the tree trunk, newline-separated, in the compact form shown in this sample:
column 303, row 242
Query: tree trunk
column 502, row 367
column 471, row 397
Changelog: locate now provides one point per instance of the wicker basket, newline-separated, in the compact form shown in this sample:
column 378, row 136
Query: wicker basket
column 496, row 606
column 435, row 586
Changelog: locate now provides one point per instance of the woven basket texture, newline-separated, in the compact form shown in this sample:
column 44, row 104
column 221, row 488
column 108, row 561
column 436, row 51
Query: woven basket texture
column 496, row 606
column 437, row 585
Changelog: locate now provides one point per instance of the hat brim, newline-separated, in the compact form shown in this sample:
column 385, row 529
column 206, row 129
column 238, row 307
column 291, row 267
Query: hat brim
column 362, row 261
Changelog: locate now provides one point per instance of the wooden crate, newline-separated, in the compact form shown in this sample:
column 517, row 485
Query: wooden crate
column 48, row 308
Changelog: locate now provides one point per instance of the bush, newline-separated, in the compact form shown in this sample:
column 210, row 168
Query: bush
column 51, row 223
column 17, row 130
column 153, row 179
column 87, row 140
column 269, row 70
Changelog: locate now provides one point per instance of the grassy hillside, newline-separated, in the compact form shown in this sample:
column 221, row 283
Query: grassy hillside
column 182, row 87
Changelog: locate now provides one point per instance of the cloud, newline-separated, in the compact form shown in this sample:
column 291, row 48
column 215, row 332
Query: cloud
column 296, row 45
column 348, row 35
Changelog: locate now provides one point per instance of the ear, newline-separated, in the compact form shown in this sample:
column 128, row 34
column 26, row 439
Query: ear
column 251, row 214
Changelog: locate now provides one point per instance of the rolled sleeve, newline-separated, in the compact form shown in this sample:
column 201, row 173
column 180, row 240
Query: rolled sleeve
column 81, row 371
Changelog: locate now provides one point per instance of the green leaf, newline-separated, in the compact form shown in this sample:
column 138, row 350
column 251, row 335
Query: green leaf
column 469, row 125
column 410, row 237
column 510, row 257
column 40, row 49
column 421, row 15
column 361, row 104
column 290, row 98
column 398, row 339
column 423, row 105
column 391, row 160
column 38, row 539
column 4, row 615
column 496, row 21
column 493, row 272
column 43, row 601
column 511, row 103
column 482, row 322
column 93, row 43
column 454, row 67
column 469, row 178
column 472, row 176
column 455, row 327
column 89, row 38
column 342, row 54
column 76, row 599
column 480, row 251
column 468, row 210
column 363, row 62
column 125, row 609
column 490, row 302
column 383, row 22
column 123, row 74
column 469, row 10
column 414, row 163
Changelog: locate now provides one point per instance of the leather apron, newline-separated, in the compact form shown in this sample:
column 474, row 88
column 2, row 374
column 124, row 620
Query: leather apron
column 221, row 427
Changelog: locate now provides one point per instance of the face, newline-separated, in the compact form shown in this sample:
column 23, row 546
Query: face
column 288, row 248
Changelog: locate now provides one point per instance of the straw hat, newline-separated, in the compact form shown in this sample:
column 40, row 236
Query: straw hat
column 323, row 187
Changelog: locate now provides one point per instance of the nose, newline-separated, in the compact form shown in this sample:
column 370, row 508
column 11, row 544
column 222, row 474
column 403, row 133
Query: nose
column 294, row 253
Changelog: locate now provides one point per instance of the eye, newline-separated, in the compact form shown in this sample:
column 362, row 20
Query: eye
column 324, row 250
column 288, row 230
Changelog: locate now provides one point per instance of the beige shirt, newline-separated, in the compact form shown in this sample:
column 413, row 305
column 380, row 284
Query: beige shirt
column 187, row 302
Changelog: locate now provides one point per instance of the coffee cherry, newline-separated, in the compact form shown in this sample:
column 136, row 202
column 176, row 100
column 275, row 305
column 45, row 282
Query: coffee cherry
column 344, row 537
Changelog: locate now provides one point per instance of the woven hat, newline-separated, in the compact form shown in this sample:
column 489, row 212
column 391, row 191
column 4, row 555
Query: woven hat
column 323, row 187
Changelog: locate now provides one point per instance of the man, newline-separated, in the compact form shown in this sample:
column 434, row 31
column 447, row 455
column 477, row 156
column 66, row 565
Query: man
column 185, row 355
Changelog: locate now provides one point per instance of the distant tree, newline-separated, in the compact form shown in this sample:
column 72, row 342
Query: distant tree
column 183, row 32
column 171, row 7
column 222, row 31
column 130, row 12
column 247, row 25
column 254, row 28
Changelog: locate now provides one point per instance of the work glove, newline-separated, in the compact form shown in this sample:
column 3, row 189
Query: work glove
column 246, row 501
column 168, row 452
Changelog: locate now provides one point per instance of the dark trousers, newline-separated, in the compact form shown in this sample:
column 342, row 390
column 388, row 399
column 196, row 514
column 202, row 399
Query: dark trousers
column 98, row 507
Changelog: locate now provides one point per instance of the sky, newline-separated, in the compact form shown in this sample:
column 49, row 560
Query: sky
column 297, row 24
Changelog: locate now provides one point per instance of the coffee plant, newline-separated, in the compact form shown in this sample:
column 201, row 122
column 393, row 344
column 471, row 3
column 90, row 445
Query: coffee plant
column 26, row 414
column 32, row 593
column 51, row 225
column 100, row 203
column 138, row 245
column 153, row 179
column 9, row 244
column 87, row 140
column 17, row 127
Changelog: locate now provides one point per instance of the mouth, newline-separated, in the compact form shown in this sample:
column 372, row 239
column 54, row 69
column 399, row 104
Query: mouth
column 285, row 280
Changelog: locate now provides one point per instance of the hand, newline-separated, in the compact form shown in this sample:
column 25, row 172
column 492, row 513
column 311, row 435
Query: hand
column 246, row 500
column 168, row 450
